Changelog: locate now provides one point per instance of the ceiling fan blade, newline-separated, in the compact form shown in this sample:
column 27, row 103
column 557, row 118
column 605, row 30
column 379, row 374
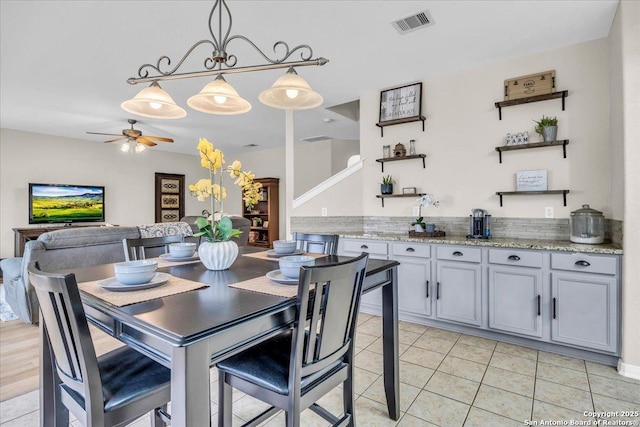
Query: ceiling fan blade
column 115, row 139
column 158, row 138
column 145, row 141
column 100, row 133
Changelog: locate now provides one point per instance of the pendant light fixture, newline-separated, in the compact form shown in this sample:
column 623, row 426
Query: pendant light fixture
column 154, row 102
column 291, row 92
column 219, row 97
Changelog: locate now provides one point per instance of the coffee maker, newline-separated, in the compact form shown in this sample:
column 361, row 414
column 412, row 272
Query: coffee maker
column 479, row 224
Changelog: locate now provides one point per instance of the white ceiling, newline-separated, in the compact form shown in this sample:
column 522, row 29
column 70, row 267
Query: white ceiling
column 64, row 64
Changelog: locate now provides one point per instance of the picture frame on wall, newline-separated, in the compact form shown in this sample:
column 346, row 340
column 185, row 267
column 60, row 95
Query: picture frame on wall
column 404, row 102
column 169, row 197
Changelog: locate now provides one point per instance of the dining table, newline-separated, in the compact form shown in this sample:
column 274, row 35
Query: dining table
column 190, row 331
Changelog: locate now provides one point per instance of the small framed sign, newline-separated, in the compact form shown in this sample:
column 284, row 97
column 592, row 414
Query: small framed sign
column 401, row 103
column 409, row 190
column 533, row 180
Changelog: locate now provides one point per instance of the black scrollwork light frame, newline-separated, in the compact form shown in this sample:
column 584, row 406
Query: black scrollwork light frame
column 220, row 61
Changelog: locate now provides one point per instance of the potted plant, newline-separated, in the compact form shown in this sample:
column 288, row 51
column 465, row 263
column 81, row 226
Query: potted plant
column 256, row 221
column 425, row 201
column 217, row 251
column 387, row 185
column 548, row 128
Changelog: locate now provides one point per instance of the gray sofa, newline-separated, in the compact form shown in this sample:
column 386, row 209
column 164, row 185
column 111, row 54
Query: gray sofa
column 76, row 247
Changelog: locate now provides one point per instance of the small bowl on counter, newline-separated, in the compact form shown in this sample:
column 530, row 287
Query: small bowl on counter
column 182, row 250
column 135, row 272
column 285, row 246
column 290, row 265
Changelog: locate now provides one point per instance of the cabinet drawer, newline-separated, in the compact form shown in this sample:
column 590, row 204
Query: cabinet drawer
column 459, row 253
column 365, row 246
column 411, row 249
column 515, row 257
column 584, row 263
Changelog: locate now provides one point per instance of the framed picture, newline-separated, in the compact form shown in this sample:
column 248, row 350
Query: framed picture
column 169, row 197
column 401, row 102
column 386, row 151
column 265, row 224
column 532, row 180
column 409, row 190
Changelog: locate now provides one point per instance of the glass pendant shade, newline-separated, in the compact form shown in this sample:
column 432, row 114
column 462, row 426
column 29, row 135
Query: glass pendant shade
column 219, row 97
column 125, row 147
column 154, row 102
column 291, row 92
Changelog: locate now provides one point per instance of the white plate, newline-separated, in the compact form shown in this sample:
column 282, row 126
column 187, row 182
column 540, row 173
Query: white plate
column 277, row 277
column 169, row 257
column 273, row 254
column 111, row 284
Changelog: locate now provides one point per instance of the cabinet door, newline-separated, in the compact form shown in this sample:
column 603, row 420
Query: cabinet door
column 458, row 292
column 584, row 310
column 515, row 299
column 414, row 285
column 371, row 301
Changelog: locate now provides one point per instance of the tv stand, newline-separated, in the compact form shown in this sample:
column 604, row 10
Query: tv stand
column 23, row 235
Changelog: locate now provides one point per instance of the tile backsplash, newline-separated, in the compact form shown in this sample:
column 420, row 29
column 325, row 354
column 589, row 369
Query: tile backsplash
column 524, row 228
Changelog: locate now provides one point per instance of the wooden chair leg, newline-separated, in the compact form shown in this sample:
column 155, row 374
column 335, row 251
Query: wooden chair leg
column 292, row 418
column 347, row 397
column 225, row 402
column 156, row 419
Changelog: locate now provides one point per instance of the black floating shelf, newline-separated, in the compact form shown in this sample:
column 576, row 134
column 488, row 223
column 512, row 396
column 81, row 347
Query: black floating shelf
column 562, row 94
column 385, row 196
column 531, row 193
column 562, row 142
column 381, row 125
column 393, row 159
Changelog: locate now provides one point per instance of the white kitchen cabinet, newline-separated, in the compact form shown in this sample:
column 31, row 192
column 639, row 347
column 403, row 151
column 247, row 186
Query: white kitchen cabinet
column 459, row 284
column 414, row 277
column 371, row 301
column 585, row 310
column 515, row 300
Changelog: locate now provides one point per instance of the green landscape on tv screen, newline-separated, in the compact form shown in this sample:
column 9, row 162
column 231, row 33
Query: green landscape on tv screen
column 65, row 203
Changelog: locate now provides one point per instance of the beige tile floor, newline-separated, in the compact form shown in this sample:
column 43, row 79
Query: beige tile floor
column 446, row 379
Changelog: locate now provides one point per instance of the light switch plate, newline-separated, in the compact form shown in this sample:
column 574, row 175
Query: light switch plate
column 416, row 211
column 324, row 212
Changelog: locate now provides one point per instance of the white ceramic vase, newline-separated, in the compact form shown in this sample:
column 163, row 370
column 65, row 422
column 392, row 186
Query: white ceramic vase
column 218, row 255
column 418, row 228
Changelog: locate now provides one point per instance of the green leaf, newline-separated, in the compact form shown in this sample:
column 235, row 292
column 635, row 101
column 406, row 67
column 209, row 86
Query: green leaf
column 224, row 228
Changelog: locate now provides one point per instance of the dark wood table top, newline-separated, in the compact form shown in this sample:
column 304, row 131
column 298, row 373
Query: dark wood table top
column 188, row 316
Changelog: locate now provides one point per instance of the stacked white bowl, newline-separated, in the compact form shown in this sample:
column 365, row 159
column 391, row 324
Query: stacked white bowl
column 182, row 250
column 135, row 272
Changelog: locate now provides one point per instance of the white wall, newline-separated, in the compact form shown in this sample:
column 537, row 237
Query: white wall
column 462, row 131
column 626, row 28
column 129, row 181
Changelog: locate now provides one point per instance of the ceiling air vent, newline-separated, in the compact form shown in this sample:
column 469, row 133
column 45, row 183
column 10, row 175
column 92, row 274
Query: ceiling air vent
column 250, row 145
column 413, row 22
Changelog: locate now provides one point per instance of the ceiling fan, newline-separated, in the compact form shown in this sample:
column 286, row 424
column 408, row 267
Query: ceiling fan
column 134, row 136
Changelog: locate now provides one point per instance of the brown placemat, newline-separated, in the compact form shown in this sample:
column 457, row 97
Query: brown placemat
column 174, row 286
column 263, row 285
column 263, row 255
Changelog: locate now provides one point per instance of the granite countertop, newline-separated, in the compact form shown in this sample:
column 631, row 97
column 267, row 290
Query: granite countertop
column 550, row 245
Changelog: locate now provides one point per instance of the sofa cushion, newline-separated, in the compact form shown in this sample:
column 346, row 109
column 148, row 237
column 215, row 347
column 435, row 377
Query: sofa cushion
column 165, row 229
column 77, row 237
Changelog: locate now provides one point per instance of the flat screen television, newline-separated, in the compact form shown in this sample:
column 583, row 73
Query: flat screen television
column 50, row 203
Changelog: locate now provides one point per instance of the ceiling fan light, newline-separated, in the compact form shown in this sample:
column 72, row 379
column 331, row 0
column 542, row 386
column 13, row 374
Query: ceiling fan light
column 154, row 102
column 140, row 148
column 291, row 92
column 219, row 97
column 125, row 147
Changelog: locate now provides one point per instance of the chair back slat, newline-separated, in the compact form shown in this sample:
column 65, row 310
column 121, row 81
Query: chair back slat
column 329, row 330
column 134, row 249
column 317, row 243
column 67, row 330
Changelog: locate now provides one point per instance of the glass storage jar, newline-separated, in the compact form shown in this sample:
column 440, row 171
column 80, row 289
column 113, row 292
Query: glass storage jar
column 587, row 226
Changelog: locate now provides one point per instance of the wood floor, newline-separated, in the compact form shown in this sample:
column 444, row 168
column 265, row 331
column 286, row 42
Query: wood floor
column 19, row 356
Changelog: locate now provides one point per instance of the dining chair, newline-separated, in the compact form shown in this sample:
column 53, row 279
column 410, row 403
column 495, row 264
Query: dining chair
column 296, row 368
column 111, row 390
column 317, row 243
column 134, row 249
